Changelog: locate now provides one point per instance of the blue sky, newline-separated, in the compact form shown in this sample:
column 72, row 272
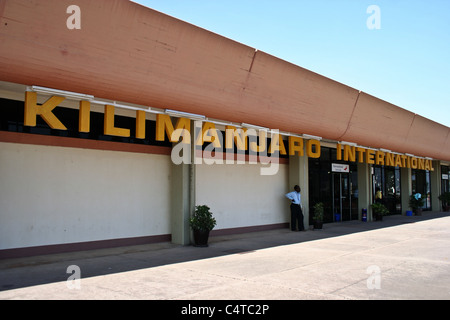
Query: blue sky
column 405, row 62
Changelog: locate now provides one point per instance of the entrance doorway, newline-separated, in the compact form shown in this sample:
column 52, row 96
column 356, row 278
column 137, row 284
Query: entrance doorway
column 421, row 183
column 333, row 182
column 344, row 201
column 387, row 180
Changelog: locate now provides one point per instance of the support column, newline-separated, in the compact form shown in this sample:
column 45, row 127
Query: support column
column 405, row 188
column 435, row 185
column 364, row 189
column 180, row 203
column 298, row 174
column 182, row 195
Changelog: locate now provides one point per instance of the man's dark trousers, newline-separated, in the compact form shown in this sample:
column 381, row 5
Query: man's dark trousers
column 296, row 217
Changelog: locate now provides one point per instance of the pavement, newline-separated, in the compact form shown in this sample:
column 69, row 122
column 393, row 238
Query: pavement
column 399, row 258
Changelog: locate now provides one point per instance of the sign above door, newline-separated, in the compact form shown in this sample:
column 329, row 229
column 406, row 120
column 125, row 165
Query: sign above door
column 340, row 168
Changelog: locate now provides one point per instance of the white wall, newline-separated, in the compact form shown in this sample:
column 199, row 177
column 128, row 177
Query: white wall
column 239, row 196
column 55, row 195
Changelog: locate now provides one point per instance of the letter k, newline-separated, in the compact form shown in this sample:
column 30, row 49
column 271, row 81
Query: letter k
column 45, row 111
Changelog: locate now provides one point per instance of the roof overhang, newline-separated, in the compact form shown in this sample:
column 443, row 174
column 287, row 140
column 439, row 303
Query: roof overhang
column 127, row 52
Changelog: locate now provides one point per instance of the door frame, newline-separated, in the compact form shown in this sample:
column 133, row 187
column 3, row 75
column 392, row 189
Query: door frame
column 340, row 177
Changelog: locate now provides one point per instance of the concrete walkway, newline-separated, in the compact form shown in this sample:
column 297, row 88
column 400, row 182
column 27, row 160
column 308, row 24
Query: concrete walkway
column 398, row 258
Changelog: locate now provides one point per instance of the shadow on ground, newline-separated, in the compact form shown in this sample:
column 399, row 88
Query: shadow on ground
column 31, row 271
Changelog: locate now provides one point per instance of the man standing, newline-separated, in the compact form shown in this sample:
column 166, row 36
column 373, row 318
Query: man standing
column 296, row 209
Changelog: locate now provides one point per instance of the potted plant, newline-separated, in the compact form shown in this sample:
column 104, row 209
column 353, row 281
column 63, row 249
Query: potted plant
column 318, row 215
column 445, row 198
column 416, row 203
column 379, row 210
column 202, row 222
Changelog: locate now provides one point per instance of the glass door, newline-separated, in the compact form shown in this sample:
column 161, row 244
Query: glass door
column 342, row 199
column 337, row 197
column 346, row 198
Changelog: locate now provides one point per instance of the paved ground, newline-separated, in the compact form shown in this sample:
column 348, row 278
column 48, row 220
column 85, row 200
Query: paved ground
column 399, row 258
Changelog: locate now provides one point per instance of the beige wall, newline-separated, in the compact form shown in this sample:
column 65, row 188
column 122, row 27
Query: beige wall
column 239, row 196
column 55, row 195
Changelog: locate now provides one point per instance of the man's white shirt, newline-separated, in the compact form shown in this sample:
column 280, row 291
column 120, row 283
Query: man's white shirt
column 295, row 197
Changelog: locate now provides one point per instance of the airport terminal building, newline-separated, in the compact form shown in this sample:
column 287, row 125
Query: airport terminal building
column 112, row 133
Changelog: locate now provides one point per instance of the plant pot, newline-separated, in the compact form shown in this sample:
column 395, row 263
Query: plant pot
column 446, row 208
column 201, row 238
column 418, row 211
column 318, row 224
column 378, row 217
